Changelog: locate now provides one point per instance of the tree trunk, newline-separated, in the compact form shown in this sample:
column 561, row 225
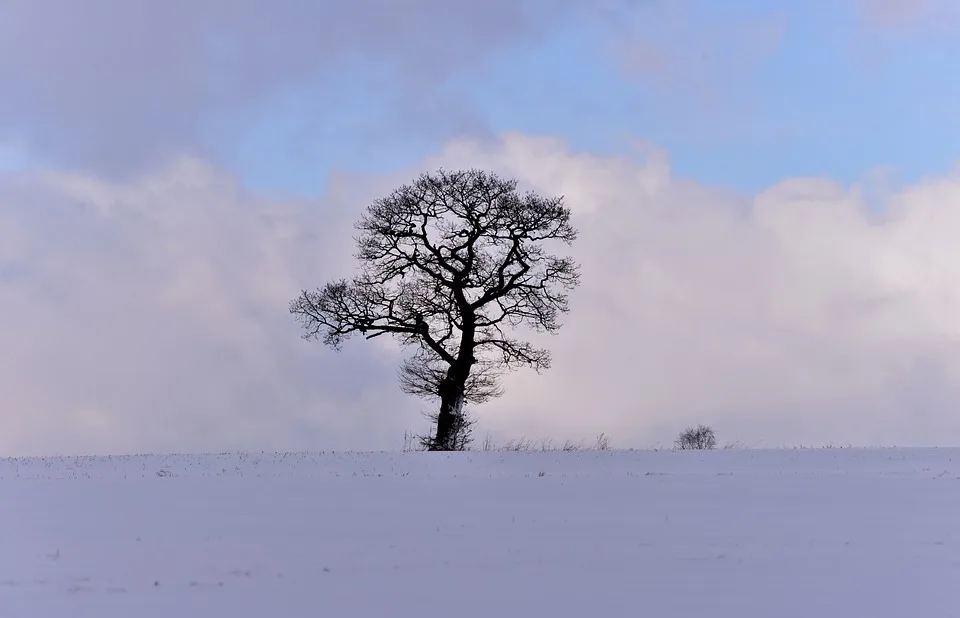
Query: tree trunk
column 451, row 389
column 451, row 409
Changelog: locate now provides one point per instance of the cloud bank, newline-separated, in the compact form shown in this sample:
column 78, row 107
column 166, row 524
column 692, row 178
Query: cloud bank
column 800, row 314
column 150, row 314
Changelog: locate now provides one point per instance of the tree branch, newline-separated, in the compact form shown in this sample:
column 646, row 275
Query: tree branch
column 448, row 263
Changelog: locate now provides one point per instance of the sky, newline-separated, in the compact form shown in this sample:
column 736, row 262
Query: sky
column 768, row 196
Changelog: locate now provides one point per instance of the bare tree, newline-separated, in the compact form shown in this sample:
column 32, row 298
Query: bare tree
column 449, row 265
column 699, row 438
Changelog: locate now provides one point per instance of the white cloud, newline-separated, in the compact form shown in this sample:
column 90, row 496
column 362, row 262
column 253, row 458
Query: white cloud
column 151, row 315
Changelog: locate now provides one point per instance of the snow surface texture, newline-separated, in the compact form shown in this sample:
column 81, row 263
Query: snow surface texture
column 771, row 534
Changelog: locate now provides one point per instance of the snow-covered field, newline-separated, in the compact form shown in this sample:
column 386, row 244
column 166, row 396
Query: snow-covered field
column 771, row 534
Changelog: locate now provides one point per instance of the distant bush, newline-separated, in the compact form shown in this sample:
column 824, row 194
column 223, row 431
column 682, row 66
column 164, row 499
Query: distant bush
column 699, row 438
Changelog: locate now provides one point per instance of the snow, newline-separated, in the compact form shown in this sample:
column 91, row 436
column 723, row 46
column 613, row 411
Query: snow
column 772, row 534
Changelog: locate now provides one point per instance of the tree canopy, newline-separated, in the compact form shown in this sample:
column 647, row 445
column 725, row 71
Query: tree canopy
column 451, row 264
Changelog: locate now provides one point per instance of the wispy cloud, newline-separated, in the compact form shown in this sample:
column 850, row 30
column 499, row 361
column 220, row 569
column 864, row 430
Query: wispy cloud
column 681, row 47
column 910, row 15
column 112, row 87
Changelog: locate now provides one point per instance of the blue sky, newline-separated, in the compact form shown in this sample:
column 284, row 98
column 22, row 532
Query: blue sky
column 172, row 173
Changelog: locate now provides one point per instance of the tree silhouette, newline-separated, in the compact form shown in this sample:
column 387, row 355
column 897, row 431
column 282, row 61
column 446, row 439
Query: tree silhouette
column 451, row 264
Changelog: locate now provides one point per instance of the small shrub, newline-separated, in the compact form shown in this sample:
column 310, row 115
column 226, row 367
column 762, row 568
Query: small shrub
column 488, row 444
column 603, row 443
column 699, row 438
column 546, row 444
column 411, row 442
column 520, row 444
